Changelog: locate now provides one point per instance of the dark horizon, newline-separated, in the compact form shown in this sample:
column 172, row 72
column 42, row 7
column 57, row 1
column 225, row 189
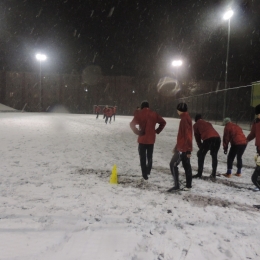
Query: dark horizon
column 132, row 38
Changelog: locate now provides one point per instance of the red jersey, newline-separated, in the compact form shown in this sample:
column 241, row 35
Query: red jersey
column 184, row 137
column 255, row 133
column 109, row 112
column 136, row 111
column 147, row 120
column 203, row 130
column 233, row 134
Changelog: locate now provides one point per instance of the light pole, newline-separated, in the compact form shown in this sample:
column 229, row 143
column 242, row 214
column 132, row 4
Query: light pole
column 40, row 57
column 177, row 64
column 227, row 16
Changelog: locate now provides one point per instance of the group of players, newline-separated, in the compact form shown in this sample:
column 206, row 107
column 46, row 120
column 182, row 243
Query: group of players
column 108, row 113
column 207, row 139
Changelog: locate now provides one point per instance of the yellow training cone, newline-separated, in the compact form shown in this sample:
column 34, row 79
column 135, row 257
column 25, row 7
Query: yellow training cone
column 113, row 176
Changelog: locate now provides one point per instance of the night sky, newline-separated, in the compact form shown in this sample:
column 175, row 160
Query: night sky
column 135, row 38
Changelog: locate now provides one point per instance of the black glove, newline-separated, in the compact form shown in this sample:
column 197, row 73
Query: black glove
column 225, row 151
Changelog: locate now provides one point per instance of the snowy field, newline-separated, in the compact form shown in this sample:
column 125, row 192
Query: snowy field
column 57, row 202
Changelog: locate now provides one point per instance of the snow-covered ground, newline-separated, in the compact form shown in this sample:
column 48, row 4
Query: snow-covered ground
column 57, row 202
column 4, row 108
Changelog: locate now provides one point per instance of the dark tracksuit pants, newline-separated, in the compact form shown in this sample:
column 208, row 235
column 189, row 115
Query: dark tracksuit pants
column 212, row 145
column 107, row 119
column 97, row 115
column 256, row 175
column 236, row 151
column 146, row 152
column 176, row 159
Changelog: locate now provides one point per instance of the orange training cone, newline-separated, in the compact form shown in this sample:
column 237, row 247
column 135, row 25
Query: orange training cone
column 113, row 176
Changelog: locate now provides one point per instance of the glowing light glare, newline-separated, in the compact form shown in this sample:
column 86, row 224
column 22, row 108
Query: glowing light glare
column 168, row 87
column 228, row 15
column 177, row 63
column 40, row 57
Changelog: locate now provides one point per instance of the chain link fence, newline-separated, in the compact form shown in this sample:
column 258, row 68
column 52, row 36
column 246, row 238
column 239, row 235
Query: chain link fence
column 211, row 106
column 21, row 91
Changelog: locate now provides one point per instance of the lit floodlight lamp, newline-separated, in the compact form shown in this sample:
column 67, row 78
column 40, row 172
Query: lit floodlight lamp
column 227, row 15
column 177, row 63
column 41, row 57
column 133, row 91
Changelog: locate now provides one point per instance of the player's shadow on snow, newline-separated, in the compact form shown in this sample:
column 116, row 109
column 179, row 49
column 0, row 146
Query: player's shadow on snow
column 129, row 180
column 204, row 201
column 199, row 200
column 227, row 182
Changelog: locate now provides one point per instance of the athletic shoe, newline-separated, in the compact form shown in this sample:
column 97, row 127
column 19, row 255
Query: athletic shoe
column 145, row 177
column 256, row 189
column 238, row 174
column 197, row 176
column 186, row 189
column 227, row 175
column 212, row 176
column 173, row 189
